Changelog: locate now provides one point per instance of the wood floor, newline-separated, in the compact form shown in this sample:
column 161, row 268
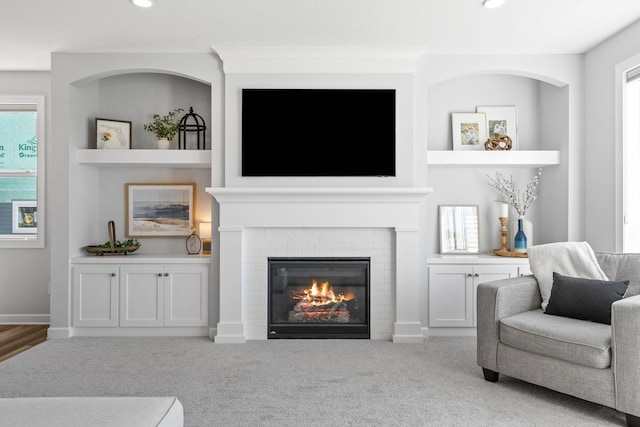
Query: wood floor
column 15, row 339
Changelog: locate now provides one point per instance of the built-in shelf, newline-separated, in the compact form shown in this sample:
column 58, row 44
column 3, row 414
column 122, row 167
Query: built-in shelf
column 145, row 158
column 534, row 158
column 485, row 258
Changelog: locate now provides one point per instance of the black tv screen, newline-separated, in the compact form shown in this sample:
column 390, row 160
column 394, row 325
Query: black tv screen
column 318, row 132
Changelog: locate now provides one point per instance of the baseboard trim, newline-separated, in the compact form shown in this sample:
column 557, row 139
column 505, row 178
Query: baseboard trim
column 24, row 319
column 59, row 333
column 452, row 332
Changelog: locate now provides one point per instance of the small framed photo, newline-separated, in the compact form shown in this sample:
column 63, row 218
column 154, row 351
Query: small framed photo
column 469, row 131
column 24, row 217
column 113, row 134
column 159, row 210
column 502, row 121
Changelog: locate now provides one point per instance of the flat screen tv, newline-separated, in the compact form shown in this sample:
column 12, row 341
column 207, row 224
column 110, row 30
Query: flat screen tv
column 318, row 132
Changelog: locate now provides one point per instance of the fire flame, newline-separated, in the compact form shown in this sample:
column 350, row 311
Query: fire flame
column 319, row 295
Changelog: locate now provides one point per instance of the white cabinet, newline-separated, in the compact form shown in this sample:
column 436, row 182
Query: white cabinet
column 453, row 283
column 170, row 295
column 139, row 294
column 95, row 295
column 142, row 295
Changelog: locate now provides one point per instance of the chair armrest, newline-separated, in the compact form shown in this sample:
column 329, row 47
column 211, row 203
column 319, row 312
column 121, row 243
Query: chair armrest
column 625, row 345
column 495, row 301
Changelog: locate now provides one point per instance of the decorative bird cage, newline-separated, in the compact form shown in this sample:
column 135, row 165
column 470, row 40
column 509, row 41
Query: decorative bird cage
column 191, row 123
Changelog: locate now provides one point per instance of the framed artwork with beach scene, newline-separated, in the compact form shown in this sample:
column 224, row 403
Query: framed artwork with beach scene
column 160, row 210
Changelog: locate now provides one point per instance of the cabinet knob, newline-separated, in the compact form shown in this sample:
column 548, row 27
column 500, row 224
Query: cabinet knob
column 159, row 274
column 476, row 275
column 166, row 274
column 469, row 275
column 113, row 274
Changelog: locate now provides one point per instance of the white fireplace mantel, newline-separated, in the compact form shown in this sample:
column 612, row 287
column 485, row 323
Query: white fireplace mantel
column 396, row 208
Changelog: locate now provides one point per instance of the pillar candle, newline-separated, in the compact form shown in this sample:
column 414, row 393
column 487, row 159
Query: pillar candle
column 504, row 210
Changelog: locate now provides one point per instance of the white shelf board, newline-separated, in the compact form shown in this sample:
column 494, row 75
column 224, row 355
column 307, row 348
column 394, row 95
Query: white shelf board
column 534, row 158
column 485, row 258
column 145, row 158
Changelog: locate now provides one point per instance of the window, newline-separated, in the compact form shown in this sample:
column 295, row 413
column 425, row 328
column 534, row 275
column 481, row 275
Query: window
column 22, row 171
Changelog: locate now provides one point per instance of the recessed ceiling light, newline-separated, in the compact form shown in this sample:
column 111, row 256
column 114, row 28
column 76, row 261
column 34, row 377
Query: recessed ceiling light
column 492, row 3
column 142, row 3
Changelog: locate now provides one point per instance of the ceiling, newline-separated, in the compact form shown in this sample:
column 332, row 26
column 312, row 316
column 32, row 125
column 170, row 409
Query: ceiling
column 31, row 29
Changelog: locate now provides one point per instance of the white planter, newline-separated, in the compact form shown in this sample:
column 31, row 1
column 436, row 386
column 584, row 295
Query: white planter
column 163, row 144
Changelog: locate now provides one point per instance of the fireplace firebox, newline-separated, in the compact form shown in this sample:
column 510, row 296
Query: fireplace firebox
column 318, row 297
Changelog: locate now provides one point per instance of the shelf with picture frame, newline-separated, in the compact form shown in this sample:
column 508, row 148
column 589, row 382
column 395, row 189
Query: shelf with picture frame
column 471, row 129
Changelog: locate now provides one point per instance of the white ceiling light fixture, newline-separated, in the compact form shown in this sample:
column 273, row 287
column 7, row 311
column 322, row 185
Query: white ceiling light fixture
column 490, row 4
column 142, row 3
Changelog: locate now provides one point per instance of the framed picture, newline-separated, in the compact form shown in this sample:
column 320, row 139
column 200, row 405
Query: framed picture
column 469, row 131
column 113, row 134
column 159, row 210
column 24, row 217
column 502, row 121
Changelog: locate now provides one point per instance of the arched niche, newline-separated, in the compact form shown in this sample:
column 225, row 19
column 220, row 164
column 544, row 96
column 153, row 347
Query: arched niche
column 135, row 95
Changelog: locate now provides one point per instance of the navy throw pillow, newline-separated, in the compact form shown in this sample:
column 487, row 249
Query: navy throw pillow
column 585, row 299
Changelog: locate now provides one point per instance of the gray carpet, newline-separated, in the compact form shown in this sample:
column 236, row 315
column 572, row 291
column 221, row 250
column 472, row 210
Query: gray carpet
column 298, row 382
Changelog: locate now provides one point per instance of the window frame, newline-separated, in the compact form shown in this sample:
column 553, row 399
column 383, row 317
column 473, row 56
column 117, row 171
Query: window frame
column 21, row 102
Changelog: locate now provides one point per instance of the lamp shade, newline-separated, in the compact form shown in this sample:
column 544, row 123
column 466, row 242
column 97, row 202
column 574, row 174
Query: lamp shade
column 205, row 229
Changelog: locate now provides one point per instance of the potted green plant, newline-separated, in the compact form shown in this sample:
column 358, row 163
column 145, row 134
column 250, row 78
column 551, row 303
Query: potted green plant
column 165, row 127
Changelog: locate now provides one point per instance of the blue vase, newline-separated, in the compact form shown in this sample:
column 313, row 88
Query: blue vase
column 520, row 243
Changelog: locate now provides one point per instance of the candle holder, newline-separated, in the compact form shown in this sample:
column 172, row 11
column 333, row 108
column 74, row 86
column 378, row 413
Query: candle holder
column 504, row 222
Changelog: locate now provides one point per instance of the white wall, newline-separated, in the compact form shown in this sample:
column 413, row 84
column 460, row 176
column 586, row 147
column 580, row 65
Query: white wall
column 24, row 273
column 600, row 136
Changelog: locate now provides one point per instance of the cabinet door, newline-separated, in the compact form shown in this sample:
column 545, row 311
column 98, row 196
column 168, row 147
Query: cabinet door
column 489, row 273
column 450, row 296
column 95, row 295
column 187, row 295
column 142, row 295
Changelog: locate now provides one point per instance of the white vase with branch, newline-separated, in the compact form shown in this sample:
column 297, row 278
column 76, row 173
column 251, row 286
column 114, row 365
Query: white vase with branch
column 520, row 200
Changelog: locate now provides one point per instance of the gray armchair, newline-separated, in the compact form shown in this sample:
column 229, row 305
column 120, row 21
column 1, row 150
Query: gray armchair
column 592, row 361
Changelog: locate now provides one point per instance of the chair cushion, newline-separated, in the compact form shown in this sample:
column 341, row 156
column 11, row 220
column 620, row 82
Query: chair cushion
column 576, row 341
column 586, row 299
column 622, row 267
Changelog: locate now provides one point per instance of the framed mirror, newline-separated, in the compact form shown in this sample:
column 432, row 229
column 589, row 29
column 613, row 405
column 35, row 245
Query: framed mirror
column 459, row 229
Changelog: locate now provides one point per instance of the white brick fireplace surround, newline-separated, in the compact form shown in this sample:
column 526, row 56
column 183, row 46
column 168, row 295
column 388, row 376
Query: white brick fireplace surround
column 379, row 223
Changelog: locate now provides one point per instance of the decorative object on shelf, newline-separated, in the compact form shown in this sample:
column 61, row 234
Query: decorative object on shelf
column 163, row 144
column 159, row 210
column 504, row 233
column 191, row 123
column 193, row 242
column 164, row 127
column 521, row 201
column 468, row 131
column 500, row 121
column 24, row 214
column 498, row 143
column 205, row 232
column 113, row 246
column 520, row 241
column 113, row 134
column 459, row 233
